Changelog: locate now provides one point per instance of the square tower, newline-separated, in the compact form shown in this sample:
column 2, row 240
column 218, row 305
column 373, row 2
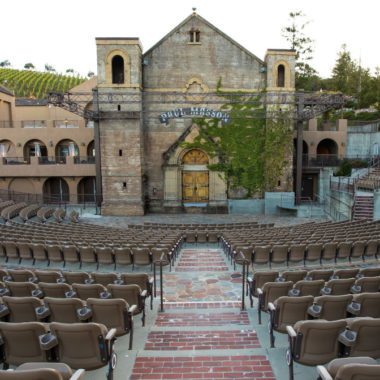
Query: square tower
column 119, row 102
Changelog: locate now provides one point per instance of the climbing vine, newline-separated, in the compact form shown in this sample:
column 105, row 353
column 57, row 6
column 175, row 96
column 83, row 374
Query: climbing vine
column 251, row 150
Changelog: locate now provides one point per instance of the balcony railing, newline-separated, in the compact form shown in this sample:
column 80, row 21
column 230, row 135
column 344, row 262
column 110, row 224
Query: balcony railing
column 320, row 160
column 52, row 160
column 33, row 124
column 84, row 160
column 66, row 123
column 15, row 161
column 6, row 124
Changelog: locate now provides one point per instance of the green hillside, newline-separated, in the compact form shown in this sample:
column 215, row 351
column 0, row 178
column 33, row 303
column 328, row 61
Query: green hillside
column 27, row 83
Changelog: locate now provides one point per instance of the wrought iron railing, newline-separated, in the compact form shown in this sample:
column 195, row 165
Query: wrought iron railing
column 51, row 160
column 84, row 160
column 33, row 124
column 15, row 161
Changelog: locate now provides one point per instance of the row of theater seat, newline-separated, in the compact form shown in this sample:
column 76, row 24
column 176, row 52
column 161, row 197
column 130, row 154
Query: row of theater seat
column 296, row 253
column 85, row 254
column 29, row 342
column 316, row 342
column 114, row 313
column 259, row 278
column 287, row 310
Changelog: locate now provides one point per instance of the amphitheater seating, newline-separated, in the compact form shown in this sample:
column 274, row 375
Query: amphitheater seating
column 350, row 369
column 365, row 304
column 42, row 371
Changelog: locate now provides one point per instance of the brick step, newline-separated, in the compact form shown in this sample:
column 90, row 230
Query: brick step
column 204, row 319
column 204, row 269
column 201, row 340
column 203, row 367
column 202, row 305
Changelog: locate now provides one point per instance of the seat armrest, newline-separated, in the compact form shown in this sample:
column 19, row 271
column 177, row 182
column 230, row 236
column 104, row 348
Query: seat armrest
column 250, row 280
column 34, row 280
column 78, row 374
column 323, row 373
column 3, row 310
column 294, row 292
column 70, row 294
column 315, row 310
column 37, row 293
column 144, row 293
column 347, row 337
column 150, row 280
column 4, row 292
column 259, row 291
column 118, row 282
column 291, row 332
column 354, row 308
column 271, row 306
column 89, row 281
column 48, row 341
column 356, row 289
column 111, row 334
column 84, row 313
column 132, row 309
column 42, row 312
column 326, row 291
column 105, row 295
column 61, row 280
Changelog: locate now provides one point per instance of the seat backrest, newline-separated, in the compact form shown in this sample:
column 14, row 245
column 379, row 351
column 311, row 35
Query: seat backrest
column 274, row 290
column 340, row 286
column 85, row 291
column 368, row 337
column 313, row 251
column 21, row 342
column 333, row 307
column 320, row 274
column 369, row 284
column 369, row 304
column 370, row 272
column 81, row 345
column 123, row 255
column 104, row 255
column 329, row 251
column 76, row 277
column 64, row 310
column 309, row 288
column 21, row 275
column 261, row 254
column 346, row 273
column 21, row 289
column 260, row 278
column 31, row 374
column 358, row 248
column 279, row 253
column 87, row 254
column 22, row 309
column 47, row 275
column 130, row 293
column 295, row 276
column 54, row 290
column 141, row 256
column 356, row 371
column 104, row 278
column 110, row 312
column 317, row 340
column 297, row 252
column 344, row 249
column 140, row 279
column 70, row 253
column 290, row 310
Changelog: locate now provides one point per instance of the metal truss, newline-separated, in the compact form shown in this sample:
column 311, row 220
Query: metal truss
column 301, row 106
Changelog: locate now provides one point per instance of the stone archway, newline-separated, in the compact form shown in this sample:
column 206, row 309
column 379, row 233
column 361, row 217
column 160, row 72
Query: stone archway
column 195, row 177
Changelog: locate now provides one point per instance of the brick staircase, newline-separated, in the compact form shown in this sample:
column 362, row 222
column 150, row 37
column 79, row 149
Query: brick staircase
column 206, row 339
column 363, row 207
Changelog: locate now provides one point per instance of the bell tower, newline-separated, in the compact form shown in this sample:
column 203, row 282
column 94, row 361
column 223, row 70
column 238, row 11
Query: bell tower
column 119, row 102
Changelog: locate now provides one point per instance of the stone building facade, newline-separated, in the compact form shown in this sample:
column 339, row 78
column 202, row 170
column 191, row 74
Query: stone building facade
column 142, row 159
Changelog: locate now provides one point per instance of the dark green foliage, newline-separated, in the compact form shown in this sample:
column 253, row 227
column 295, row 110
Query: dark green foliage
column 251, row 150
column 345, row 169
column 28, row 83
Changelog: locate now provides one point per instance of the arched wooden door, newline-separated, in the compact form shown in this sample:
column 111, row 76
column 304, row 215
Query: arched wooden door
column 195, row 177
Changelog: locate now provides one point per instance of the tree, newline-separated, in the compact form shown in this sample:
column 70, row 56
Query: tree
column 70, row 71
column 306, row 75
column 5, row 63
column 49, row 68
column 344, row 73
column 29, row 66
column 90, row 74
column 252, row 151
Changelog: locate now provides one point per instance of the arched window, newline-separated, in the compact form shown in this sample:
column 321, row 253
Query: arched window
column 117, row 69
column 280, row 76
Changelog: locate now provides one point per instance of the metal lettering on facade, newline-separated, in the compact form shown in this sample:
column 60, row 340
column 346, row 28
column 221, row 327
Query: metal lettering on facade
column 194, row 112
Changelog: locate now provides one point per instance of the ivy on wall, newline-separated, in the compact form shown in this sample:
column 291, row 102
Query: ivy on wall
column 251, row 150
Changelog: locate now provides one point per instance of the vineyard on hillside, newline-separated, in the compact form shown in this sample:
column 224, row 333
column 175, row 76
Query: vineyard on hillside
column 35, row 84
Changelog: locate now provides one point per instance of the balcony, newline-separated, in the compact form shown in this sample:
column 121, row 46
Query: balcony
column 47, row 166
column 66, row 123
column 320, row 160
column 33, row 124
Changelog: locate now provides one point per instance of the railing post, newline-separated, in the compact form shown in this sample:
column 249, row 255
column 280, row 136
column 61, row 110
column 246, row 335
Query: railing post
column 161, row 289
column 243, row 288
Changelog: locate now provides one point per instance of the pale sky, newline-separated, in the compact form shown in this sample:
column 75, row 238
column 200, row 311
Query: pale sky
column 62, row 33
